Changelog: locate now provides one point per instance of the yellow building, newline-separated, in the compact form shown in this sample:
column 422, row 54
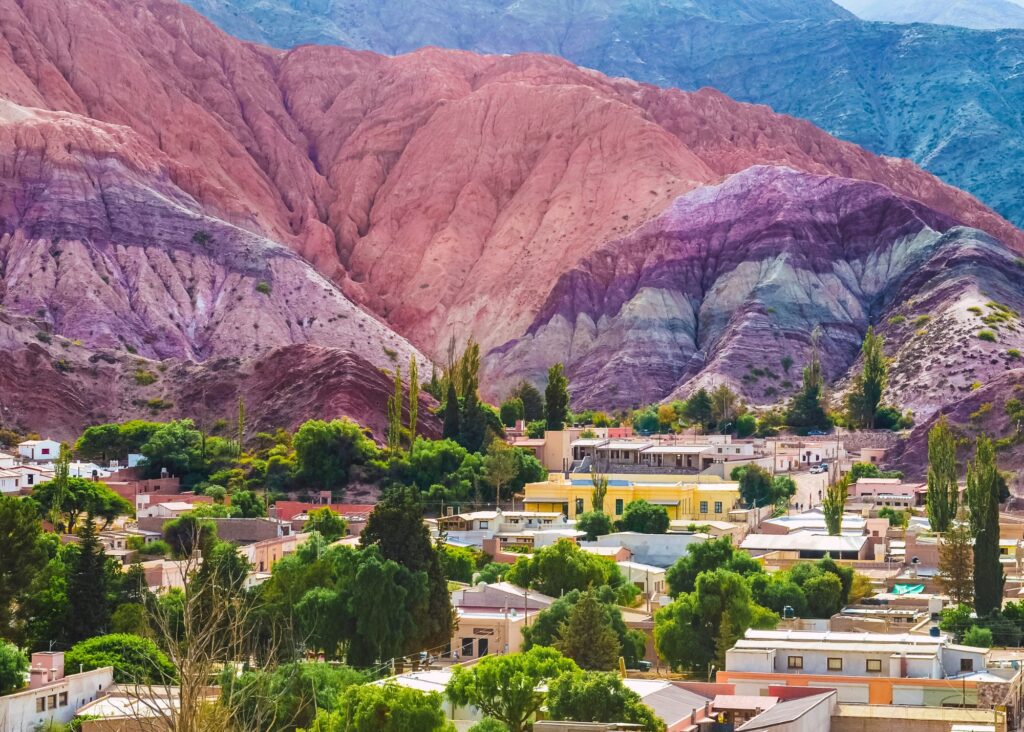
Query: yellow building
column 683, row 497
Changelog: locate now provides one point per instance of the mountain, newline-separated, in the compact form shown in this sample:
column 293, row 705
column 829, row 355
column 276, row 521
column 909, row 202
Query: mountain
column 947, row 98
column 980, row 14
column 222, row 217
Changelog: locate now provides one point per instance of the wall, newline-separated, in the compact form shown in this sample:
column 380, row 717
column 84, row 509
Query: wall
column 18, row 711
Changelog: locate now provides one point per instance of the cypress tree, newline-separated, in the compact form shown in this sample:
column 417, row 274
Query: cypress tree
column 587, row 636
column 943, row 492
column 88, row 587
column 451, row 429
column 983, row 499
column 556, row 398
column 473, row 422
column 533, row 402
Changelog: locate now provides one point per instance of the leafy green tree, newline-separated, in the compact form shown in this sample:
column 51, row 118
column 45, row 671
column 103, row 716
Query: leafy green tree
column 943, row 490
column 473, row 422
column 22, row 555
column 978, row 637
column 178, row 447
column 512, row 410
column 806, row 411
column 13, row 667
column 105, row 442
column 396, row 526
column 600, row 483
column 135, row 660
column 501, row 466
column 549, row 626
column 388, row 708
column 327, row 452
column 88, row 587
column 756, row 487
column 587, row 637
column 697, row 628
column 956, row 561
column 898, row 519
column 131, row 618
column 834, row 504
column 746, row 425
column 489, row 724
column 330, row 525
column 248, row 505
column 189, row 533
column 76, row 498
column 777, row 591
column 866, row 393
column 556, row 398
column 644, row 518
column 563, row 566
column 492, row 572
column 595, row 524
column 706, row 556
column 698, row 408
column 598, row 697
column 414, row 399
column 506, row 687
column 286, row 697
column 452, row 412
column 982, row 497
column 646, row 421
column 533, row 401
column 823, row 595
column 459, row 563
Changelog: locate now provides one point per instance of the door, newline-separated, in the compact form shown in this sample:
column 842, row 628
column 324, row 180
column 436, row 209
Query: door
column 481, row 646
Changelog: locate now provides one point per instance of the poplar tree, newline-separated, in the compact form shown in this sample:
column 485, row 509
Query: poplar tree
column 866, row 394
column 943, row 491
column 451, row 429
column 556, row 398
column 240, row 425
column 394, row 434
column 414, row 399
column 834, row 504
column 983, row 500
column 956, row 562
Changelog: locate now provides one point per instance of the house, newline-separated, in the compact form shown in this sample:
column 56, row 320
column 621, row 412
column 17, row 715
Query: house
column 657, row 550
column 790, row 455
column 872, row 668
column 649, row 578
column 263, row 555
column 808, row 545
column 41, row 451
column 51, row 696
column 7, row 461
column 91, row 471
column 297, row 512
column 165, row 510
column 127, row 708
column 499, row 529
column 32, row 475
column 684, row 499
column 9, row 481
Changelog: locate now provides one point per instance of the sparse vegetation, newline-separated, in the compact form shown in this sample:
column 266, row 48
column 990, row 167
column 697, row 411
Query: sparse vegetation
column 897, row 320
column 158, row 404
column 44, row 337
column 984, row 409
column 263, row 287
column 1013, row 354
column 921, row 320
column 143, row 377
column 202, row 238
column 987, row 335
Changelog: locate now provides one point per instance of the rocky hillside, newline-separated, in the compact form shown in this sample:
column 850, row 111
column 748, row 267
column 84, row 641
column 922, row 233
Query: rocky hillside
column 171, row 194
column 980, row 14
column 947, row 98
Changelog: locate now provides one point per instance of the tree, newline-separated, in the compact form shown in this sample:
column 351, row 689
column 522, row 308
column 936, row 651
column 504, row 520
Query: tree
column 240, row 425
column 563, row 566
column 834, row 504
column 326, row 452
column 105, row 442
column 506, row 687
column 414, row 399
column 697, row 628
column 824, row 595
column 472, row 421
column 512, row 410
column 176, row 446
column 943, row 491
column 66, row 504
column 550, row 624
column 595, row 524
column 395, row 401
column 601, row 697
column 587, row 637
column 88, row 587
column 22, row 554
column 396, row 526
column 533, row 401
column 723, row 406
column 247, row 504
column 983, row 499
column 330, row 525
column 866, row 393
column 489, row 724
column 698, row 408
column 13, row 667
column 189, row 534
column 459, row 562
column 452, row 428
column 746, row 425
column 644, row 518
column 706, row 556
column 135, row 660
column 978, row 637
column 501, row 465
column 556, row 398
column 806, row 411
column 956, row 561
column 600, row 483
column 756, row 486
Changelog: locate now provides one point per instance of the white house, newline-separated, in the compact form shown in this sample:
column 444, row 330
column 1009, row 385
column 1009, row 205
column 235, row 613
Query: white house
column 9, row 481
column 51, row 696
column 7, row 461
column 168, row 510
column 87, row 470
column 39, row 450
column 32, row 475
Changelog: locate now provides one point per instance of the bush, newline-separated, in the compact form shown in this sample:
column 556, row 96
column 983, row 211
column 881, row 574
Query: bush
column 44, row 337
column 987, row 335
column 1013, row 354
column 135, row 660
column 978, row 637
column 144, row 377
column 263, row 287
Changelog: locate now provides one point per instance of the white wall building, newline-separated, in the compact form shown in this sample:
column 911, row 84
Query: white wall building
column 658, row 550
column 9, row 481
column 39, row 450
column 51, row 695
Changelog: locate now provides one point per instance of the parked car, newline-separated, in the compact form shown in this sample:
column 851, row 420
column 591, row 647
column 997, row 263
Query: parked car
column 819, row 469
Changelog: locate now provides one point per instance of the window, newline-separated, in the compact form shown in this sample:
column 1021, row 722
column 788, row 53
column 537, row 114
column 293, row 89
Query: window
column 718, row 506
column 703, row 506
column 45, row 450
column 835, row 664
column 52, row 701
column 483, row 525
column 579, row 506
column 467, row 647
column 618, row 506
column 62, row 699
column 966, row 664
column 795, row 662
column 874, row 665
column 41, row 704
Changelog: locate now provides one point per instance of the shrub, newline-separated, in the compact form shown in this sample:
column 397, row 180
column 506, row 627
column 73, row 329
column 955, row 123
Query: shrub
column 978, row 637
column 1013, row 354
column 987, row 335
column 263, row 287
column 974, row 309
column 144, row 377
column 201, row 238
column 921, row 320
column 897, row 320
column 44, row 337
column 136, row 660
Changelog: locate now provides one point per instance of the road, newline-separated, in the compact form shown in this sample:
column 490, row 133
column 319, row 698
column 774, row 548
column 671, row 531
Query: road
column 809, row 489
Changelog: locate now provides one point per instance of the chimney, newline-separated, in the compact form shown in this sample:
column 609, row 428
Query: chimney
column 46, row 668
